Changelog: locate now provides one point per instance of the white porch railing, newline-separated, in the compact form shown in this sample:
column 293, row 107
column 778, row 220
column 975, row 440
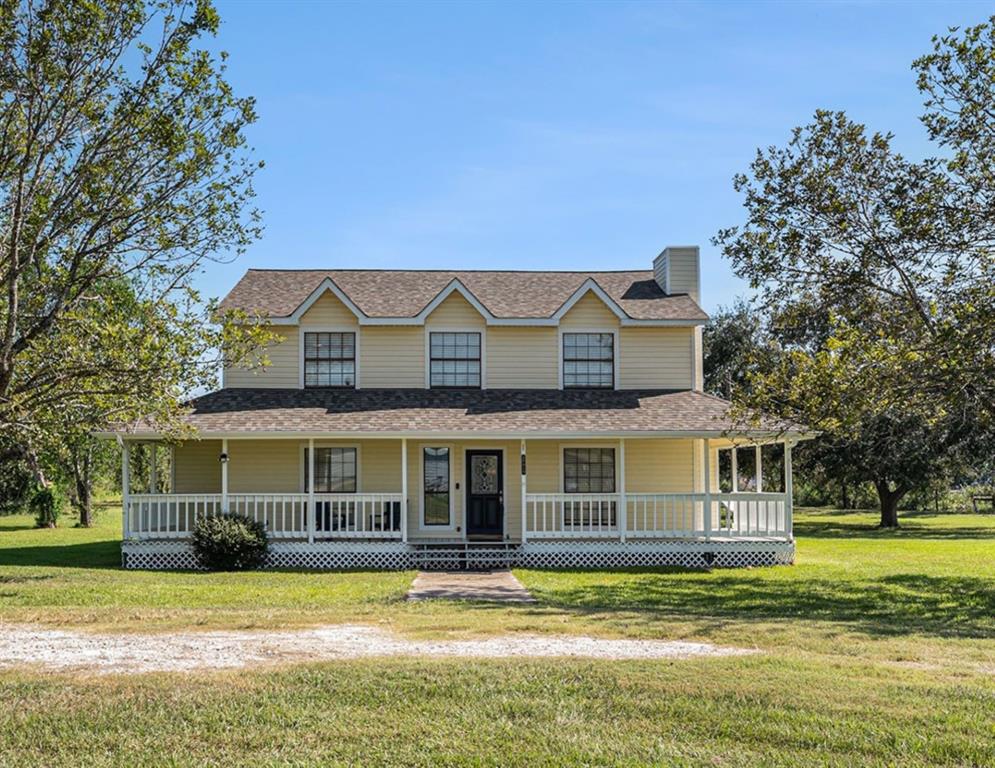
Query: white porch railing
column 357, row 515
column 284, row 515
column 656, row 515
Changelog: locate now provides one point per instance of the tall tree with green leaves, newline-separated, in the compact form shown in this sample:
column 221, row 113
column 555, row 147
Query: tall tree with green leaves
column 897, row 256
column 123, row 169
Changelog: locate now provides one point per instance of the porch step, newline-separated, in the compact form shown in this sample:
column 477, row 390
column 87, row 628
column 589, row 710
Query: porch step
column 464, row 556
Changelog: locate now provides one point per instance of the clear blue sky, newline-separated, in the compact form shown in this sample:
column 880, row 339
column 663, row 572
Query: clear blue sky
column 544, row 136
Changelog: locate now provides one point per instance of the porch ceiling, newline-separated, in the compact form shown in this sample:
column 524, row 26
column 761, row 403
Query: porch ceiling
column 512, row 413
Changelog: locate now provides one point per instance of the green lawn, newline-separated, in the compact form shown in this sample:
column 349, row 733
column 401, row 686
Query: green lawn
column 877, row 648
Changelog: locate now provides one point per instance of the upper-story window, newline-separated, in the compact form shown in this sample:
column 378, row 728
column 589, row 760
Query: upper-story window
column 588, row 361
column 329, row 359
column 454, row 359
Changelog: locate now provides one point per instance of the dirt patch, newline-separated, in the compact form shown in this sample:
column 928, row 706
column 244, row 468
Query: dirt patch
column 188, row 651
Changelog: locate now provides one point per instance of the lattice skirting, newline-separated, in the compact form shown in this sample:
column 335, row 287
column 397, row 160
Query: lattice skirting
column 177, row 555
column 685, row 554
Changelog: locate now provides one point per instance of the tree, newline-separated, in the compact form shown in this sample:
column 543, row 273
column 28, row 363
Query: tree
column 731, row 340
column 123, row 168
column 894, row 259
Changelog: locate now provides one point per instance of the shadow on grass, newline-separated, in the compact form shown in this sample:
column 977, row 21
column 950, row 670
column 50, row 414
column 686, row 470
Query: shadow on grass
column 839, row 529
column 96, row 554
column 898, row 604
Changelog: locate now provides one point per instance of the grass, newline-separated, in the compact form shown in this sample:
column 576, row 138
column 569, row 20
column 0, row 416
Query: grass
column 877, row 648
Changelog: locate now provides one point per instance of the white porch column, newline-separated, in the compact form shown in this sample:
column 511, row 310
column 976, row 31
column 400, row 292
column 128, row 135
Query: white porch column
column 789, row 492
column 707, row 512
column 311, row 511
column 760, row 470
column 224, row 476
column 735, row 468
column 153, row 468
column 125, row 488
column 404, row 490
column 525, row 509
column 622, row 503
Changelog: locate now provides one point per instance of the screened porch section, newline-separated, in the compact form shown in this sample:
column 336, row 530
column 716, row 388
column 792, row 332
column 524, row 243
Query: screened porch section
column 422, row 488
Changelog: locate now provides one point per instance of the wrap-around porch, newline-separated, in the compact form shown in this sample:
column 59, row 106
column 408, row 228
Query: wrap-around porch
column 425, row 489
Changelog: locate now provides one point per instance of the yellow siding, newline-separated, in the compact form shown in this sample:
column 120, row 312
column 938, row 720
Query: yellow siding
column 455, row 312
column 392, row 357
column 655, row 358
column 520, row 358
column 282, row 372
column 263, row 466
column 589, row 312
column 328, row 310
column 196, row 467
column 379, row 466
column 659, row 466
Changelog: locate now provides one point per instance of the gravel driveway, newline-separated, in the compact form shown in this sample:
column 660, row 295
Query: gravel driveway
column 54, row 649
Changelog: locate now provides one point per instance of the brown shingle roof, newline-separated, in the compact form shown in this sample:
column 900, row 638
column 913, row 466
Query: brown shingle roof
column 409, row 411
column 404, row 293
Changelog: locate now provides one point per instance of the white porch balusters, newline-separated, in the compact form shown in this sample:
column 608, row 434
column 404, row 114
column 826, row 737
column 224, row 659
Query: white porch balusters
column 311, row 511
column 623, row 504
column 224, row 477
column 788, row 492
column 707, row 512
column 525, row 508
column 125, row 488
column 404, row 490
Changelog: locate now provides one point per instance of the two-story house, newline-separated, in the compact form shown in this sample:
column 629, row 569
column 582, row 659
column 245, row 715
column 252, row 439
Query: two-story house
column 441, row 418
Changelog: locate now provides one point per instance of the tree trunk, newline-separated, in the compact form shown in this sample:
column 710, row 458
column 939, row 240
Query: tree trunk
column 845, row 494
column 83, row 483
column 889, row 503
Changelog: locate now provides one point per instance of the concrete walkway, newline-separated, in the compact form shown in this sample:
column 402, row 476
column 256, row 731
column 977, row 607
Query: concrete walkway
column 496, row 586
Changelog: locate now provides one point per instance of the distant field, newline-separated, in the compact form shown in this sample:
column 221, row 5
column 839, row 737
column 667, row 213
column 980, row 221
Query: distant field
column 877, row 649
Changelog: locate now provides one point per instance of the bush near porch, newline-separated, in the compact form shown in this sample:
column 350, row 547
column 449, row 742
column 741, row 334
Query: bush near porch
column 877, row 649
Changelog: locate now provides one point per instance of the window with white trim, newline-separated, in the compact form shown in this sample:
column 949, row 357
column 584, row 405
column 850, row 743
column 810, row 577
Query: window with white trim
column 329, row 359
column 454, row 360
column 589, row 470
column 435, row 486
column 335, row 470
column 588, row 361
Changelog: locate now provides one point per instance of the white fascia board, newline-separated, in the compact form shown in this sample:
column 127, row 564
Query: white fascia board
column 471, row 435
column 506, row 321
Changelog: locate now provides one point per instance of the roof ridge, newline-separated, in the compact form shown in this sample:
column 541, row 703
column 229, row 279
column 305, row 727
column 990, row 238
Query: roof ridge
column 441, row 271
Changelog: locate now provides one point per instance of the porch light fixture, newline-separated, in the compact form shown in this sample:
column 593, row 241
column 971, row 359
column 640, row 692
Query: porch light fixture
column 223, row 458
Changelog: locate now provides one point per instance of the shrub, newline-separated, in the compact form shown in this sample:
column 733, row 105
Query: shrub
column 47, row 504
column 229, row 542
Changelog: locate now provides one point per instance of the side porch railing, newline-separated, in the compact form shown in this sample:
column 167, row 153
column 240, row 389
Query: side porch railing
column 656, row 515
column 285, row 515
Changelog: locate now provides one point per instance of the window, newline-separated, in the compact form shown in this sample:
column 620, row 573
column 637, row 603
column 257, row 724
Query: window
column 329, row 359
column 435, row 485
column 589, row 360
column 334, row 470
column 454, row 359
column 589, row 470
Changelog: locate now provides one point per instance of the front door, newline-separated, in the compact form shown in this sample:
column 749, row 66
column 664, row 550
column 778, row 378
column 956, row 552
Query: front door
column 484, row 493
